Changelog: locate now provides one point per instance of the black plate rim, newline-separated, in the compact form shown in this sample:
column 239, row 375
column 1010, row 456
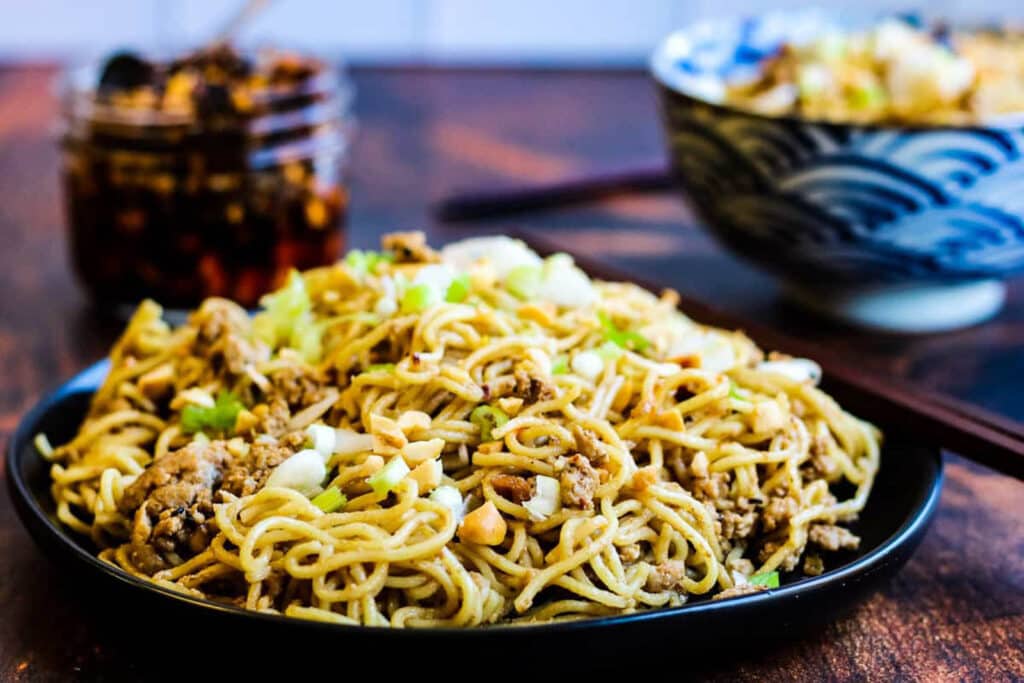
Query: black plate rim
column 37, row 522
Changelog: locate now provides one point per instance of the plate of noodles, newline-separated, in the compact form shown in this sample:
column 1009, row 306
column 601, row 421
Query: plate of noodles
column 473, row 442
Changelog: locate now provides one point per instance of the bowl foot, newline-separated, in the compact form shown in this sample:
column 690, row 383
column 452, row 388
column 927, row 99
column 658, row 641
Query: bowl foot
column 913, row 308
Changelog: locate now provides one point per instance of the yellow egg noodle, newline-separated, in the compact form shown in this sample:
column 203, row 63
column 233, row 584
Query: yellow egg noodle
column 471, row 436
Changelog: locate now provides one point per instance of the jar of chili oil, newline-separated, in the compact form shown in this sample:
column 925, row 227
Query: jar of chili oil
column 209, row 175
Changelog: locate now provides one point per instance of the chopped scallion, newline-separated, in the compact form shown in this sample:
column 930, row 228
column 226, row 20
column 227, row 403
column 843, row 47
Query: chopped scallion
column 218, row 418
column 524, row 281
column 287, row 319
column 418, row 297
column 364, row 262
column 458, row 290
column 560, row 365
column 380, row 367
column 622, row 338
column 387, row 477
column 768, row 580
column 331, row 500
column 488, row 418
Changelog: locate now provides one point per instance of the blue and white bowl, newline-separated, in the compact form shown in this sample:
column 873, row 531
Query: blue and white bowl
column 908, row 228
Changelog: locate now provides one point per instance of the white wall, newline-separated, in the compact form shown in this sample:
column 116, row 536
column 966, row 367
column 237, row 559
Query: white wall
column 501, row 31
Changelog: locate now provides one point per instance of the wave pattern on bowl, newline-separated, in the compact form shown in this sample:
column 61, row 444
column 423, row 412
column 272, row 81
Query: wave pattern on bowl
column 850, row 203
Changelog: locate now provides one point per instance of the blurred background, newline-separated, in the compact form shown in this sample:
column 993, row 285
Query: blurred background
column 479, row 32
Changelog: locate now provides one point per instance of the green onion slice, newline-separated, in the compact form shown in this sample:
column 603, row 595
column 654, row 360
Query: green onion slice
column 458, row 290
column 219, row 418
column 387, row 477
column 768, row 580
column 621, row 338
column 418, row 297
column 380, row 367
column 488, row 418
column 330, row 500
column 524, row 281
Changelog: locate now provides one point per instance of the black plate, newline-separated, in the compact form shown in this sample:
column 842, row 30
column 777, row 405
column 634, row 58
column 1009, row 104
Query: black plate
column 897, row 514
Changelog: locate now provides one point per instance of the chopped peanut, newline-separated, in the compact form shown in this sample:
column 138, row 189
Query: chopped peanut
column 411, row 420
column 643, row 478
column 245, row 422
column 373, row 463
column 154, row 383
column 427, row 475
column 511, row 405
column 194, row 396
column 484, row 526
column 699, row 465
column 422, row 451
column 388, row 439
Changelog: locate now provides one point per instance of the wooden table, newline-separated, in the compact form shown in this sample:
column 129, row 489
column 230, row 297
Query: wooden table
column 956, row 612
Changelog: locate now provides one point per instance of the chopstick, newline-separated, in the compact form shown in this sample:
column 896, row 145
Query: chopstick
column 580, row 189
column 975, row 433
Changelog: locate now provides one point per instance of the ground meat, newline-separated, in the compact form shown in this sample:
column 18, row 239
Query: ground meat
column 249, row 474
column 273, row 417
column 712, row 487
column 515, row 488
column 587, row 444
column 630, row 553
column 217, row 318
column 777, row 513
column 172, row 505
column 823, row 464
column 770, row 547
column 222, row 336
column 737, row 525
column 531, row 389
column 297, row 385
column 736, row 591
column 238, row 353
column 813, row 565
column 579, row 482
column 409, row 247
column 665, row 576
column 832, row 537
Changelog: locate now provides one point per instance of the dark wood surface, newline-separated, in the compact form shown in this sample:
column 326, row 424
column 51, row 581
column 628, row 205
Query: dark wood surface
column 956, row 612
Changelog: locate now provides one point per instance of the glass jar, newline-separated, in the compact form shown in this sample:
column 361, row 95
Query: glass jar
column 181, row 201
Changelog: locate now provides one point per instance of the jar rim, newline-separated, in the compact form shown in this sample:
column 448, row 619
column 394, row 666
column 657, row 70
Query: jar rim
column 78, row 95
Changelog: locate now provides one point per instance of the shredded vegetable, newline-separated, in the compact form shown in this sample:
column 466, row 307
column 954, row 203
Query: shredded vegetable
column 287, row 319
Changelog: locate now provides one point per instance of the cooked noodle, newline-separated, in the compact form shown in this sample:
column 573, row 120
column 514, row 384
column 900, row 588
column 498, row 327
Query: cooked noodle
column 684, row 463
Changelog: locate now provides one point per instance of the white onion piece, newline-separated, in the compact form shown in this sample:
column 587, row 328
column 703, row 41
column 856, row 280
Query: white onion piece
column 323, row 438
column 545, row 501
column 302, row 472
column 796, row 369
column 347, row 442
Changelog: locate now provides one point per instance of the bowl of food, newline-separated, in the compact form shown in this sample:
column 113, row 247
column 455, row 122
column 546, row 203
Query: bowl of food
column 471, row 437
column 874, row 165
